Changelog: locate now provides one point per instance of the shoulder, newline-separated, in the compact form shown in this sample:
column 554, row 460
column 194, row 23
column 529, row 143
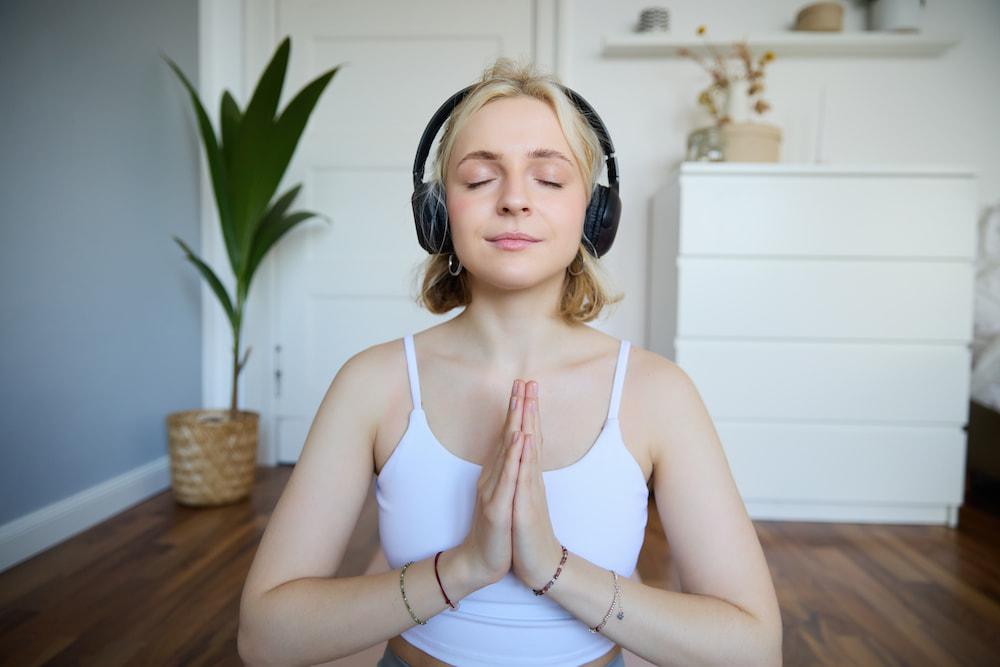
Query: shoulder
column 661, row 407
column 372, row 373
column 385, row 361
column 367, row 388
column 654, row 378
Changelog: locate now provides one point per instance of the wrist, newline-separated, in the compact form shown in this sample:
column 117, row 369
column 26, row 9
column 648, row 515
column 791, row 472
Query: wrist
column 555, row 573
column 453, row 605
column 459, row 575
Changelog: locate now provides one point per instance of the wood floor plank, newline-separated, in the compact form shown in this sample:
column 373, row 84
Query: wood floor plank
column 160, row 585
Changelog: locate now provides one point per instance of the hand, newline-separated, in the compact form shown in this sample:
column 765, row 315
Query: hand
column 536, row 551
column 488, row 545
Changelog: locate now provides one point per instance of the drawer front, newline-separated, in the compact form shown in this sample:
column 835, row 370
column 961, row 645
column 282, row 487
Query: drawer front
column 846, row 464
column 853, row 382
column 835, row 215
column 825, row 299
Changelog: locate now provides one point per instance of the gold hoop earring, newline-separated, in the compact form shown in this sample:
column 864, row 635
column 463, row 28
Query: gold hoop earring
column 452, row 269
column 582, row 265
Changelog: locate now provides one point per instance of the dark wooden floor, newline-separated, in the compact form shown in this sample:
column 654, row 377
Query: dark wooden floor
column 160, row 585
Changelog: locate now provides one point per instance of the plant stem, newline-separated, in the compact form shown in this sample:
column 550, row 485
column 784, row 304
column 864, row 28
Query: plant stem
column 233, row 407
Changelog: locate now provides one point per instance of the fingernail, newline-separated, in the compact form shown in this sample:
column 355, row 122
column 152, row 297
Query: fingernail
column 532, row 389
column 513, row 402
column 515, row 387
column 516, row 437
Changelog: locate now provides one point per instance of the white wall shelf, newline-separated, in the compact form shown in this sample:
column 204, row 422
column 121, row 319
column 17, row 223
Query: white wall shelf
column 785, row 44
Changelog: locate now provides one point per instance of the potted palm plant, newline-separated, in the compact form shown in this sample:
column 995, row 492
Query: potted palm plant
column 213, row 453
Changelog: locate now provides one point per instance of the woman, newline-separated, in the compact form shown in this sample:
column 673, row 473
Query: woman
column 513, row 444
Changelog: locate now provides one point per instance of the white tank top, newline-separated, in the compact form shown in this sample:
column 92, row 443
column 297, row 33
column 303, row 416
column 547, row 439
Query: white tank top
column 598, row 509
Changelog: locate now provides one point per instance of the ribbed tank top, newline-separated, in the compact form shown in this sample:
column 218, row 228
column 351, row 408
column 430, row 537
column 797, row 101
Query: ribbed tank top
column 597, row 505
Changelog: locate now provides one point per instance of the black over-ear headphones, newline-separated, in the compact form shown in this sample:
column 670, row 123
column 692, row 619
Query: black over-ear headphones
column 600, row 222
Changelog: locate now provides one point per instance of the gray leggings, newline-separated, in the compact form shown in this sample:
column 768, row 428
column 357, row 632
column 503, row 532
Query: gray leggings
column 390, row 659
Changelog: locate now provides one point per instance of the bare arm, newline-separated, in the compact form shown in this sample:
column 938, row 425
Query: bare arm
column 294, row 612
column 726, row 612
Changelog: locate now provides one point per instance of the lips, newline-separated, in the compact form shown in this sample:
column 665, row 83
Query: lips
column 512, row 240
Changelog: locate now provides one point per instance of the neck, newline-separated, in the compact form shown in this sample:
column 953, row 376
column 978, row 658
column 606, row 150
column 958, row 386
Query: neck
column 514, row 328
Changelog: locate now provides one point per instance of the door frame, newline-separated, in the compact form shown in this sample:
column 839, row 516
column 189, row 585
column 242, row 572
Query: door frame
column 243, row 27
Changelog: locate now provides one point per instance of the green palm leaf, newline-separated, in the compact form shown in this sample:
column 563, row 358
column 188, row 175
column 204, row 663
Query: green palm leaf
column 211, row 279
column 273, row 226
column 213, row 155
column 288, row 129
column 229, row 119
column 253, row 134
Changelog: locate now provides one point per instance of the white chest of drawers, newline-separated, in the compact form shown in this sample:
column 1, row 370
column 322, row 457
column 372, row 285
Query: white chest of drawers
column 825, row 314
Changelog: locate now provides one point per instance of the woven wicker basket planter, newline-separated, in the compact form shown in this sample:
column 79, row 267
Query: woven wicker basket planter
column 213, row 458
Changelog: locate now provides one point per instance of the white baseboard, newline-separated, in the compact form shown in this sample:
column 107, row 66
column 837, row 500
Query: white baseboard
column 940, row 515
column 32, row 533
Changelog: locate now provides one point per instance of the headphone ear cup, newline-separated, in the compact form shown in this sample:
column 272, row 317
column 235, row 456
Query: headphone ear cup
column 600, row 224
column 611, row 215
column 431, row 217
column 595, row 213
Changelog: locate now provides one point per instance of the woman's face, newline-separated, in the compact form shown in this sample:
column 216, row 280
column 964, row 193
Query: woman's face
column 515, row 194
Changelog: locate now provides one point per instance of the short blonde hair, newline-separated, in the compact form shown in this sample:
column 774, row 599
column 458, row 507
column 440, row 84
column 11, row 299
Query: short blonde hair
column 585, row 292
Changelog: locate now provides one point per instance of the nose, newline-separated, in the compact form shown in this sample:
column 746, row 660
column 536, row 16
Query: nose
column 514, row 198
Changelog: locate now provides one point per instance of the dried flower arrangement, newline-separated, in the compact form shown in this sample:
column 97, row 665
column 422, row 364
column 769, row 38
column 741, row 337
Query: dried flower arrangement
column 715, row 98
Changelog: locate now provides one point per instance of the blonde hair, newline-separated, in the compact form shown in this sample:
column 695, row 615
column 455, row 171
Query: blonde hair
column 585, row 292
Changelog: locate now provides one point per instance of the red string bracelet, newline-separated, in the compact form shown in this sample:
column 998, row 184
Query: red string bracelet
column 454, row 607
column 555, row 576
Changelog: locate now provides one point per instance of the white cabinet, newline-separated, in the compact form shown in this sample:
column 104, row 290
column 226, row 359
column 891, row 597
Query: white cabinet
column 825, row 314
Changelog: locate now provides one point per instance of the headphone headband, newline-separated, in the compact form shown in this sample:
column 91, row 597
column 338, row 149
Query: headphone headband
column 430, row 214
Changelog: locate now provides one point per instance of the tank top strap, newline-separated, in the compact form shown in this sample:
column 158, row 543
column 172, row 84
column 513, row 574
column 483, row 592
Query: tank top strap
column 411, row 369
column 619, row 382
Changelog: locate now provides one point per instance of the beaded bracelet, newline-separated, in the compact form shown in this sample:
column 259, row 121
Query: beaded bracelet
column 616, row 602
column 555, row 576
column 402, row 589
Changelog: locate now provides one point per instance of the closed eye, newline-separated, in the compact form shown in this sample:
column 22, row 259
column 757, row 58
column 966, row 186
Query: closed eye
column 473, row 186
column 551, row 184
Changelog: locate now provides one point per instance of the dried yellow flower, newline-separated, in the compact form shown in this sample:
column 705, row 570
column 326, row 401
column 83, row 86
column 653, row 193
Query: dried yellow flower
column 715, row 98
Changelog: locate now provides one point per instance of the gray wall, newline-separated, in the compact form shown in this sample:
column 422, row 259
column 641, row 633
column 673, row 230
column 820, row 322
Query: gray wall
column 99, row 314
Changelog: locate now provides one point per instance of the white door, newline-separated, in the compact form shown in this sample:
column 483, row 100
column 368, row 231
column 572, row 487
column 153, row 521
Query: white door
column 347, row 284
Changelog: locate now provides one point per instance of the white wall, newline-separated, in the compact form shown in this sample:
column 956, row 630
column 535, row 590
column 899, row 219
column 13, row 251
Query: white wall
column 879, row 110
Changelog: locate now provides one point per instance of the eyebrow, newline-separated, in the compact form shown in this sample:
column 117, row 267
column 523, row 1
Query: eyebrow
column 535, row 154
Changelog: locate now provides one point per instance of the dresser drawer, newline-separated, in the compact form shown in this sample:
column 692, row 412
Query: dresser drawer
column 825, row 299
column 849, row 382
column 845, row 464
column 826, row 212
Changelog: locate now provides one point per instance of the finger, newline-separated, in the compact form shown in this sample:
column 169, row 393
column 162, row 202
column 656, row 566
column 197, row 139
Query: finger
column 515, row 409
column 530, row 472
column 512, row 423
column 525, row 483
column 509, row 472
column 528, row 463
column 531, row 420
